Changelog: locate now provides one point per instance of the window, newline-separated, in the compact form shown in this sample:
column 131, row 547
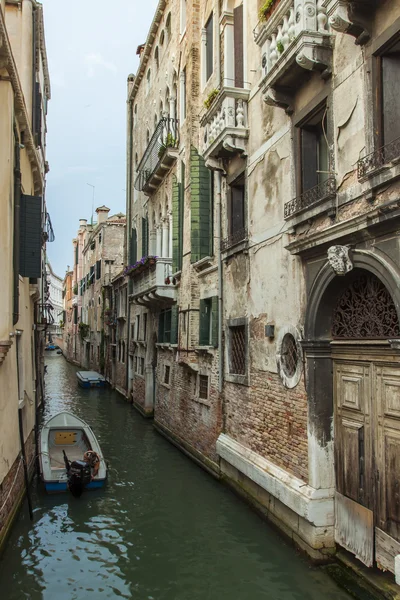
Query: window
column 167, row 371
column 237, row 349
column 145, row 326
column 147, row 137
column 135, row 116
column 162, row 38
column 168, row 27
column 98, row 269
column 209, row 47
column 203, row 387
column 183, row 16
column 168, row 326
column 289, row 356
column 208, row 322
column 202, row 208
column 91, row 278
column 182, row 95
column 145, row 236
column 314, row 150
column 238, row 45
column 148, row 81
column 100, row 237
column 133, row 331
column 139, row 368
column 123, row 352
column 236, row 210
column 137, row 327
column 156, row 57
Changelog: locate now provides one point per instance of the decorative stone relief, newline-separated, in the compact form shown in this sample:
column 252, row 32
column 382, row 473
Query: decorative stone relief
column 338, row 258
column 289, row 356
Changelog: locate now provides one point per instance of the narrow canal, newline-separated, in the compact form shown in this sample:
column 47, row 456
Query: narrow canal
column 162, row 529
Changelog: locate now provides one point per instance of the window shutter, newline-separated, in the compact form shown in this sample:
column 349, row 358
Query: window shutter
column 175, row 225
column 238, row 44
column 161, row 320
column 133, row 251
column 98, row 269
column 174, row 324
column 201, row 207
column 215, row 321
column 309, row 159
column 75, row 315
column 76, row 253
column 30, row 249
column 145, row 237
column 391, row 100
column 204, row 324
column 209, row 47
column 38, row 115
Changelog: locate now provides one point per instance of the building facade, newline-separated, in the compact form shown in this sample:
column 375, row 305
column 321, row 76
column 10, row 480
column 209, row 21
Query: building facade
column 98, row 256
column 25, row 228
column 55, row 285
column 262, row 257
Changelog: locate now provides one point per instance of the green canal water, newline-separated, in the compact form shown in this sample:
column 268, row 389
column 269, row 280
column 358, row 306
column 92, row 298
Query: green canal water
column 162, row 529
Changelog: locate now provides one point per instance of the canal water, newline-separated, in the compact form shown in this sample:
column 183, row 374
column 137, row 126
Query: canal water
column 162, row 529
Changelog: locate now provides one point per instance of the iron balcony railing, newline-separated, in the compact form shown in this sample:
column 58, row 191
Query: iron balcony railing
column 378, row 159
column 165, row 136
column 238, row 236
column 44, row 314
column 48, row 233
column 322, row 191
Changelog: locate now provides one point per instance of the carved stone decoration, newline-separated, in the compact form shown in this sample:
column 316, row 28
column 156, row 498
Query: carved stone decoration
column 315, row 59
column 338, row 258
column 277, row 99
column 5, row 345
column 346, row 19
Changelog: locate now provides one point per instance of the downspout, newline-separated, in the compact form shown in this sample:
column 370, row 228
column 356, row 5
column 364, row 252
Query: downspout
column 16, row 249
column 220, row 291
column 128, row 230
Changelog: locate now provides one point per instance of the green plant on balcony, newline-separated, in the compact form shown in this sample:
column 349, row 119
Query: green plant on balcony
column 83, row 330
column 266, row 9
column 210, row 98
column 62, row 324
column 75, row 290
column 170, row 142
column 280, row 47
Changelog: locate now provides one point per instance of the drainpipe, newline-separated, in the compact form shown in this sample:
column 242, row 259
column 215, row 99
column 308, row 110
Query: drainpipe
column 128, row 224
column 218, row 240
column 16, row 250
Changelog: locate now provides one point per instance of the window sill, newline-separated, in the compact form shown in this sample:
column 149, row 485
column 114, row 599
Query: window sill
column 167, row 386
column 202, row 401
column 203, row 263
column 239, row 379
column 166, row 346
column 206, row 349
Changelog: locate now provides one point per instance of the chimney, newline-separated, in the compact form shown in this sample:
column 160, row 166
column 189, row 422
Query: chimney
column 82, row 223
column 102, row 214
column 139, row 50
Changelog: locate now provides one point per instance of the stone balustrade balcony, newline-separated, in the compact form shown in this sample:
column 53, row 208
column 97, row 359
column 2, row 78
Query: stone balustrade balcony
column 153, row 286
column 159, row 156
column 225, row 124
column 295, row 39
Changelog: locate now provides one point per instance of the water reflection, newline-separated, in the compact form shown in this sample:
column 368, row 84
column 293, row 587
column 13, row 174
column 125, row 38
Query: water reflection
column 162, row 529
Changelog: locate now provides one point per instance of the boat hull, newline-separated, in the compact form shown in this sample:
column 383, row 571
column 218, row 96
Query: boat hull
column 90, row 379
column 57, row 487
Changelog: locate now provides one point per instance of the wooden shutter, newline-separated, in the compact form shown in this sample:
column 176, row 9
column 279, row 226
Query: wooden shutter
column 145, row 237
column 98, row 269
column 204, row 324
column 76, row 253
column 133, row 250
column 209, row 46
column 238, row 44
column 30, row 249
column 237, row 208
column 390, row 97
column 37, row 115
column 201, row 207
column 174, row 324
column 309, row 159
column 215, row 321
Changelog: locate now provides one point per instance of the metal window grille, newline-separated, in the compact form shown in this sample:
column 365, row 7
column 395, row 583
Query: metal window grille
column 379, row 158
column 322, row 191
column 289, row 355
column 238, row 350
column 203, row 387
column 167, row 374
column 238, row 236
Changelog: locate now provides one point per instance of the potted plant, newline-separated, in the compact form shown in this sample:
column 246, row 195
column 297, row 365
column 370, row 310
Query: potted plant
column 170, row 142
column 267, row 9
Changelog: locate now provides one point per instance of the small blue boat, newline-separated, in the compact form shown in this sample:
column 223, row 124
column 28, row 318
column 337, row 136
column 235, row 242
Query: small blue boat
column 67, row 445
column 89, row 379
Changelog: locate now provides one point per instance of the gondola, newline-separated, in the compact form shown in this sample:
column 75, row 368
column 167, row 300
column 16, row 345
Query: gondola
column 70, row 456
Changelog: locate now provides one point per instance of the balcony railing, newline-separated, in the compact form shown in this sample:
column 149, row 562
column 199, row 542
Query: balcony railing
column 293, row 38
column 44, row 314
column 48, row 233
column 159, row 156
column 154, row 285
column 235, row 238
column 322, row 191
column 378, row 159
column 225, row 124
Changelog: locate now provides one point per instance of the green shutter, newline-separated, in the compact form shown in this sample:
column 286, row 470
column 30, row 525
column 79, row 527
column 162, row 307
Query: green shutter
column 76, row 253
column 30, row 240
column 133, row 250
column 215, row 321
column 174, row 324
column 145, row 237
column 204, row 324
column 201, row 207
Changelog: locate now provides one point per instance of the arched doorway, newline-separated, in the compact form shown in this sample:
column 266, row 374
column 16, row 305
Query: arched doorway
column 355, row 386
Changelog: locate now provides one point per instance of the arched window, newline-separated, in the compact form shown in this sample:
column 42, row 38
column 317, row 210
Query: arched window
column 123, row 351
column 147, row 136
column 162, row 38
column 156, row 57
column 155, row 121
column 161, row 109
column 119, row 351
column 136, row 160
column 168, row 27
column 148, row 78
column 135, row 116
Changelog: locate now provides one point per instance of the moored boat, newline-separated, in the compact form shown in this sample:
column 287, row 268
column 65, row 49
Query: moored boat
column 70, row 455
column 88, row 379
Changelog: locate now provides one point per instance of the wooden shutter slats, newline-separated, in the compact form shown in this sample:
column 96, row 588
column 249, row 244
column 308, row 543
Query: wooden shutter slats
column 238, row 44
column 390, row 97
column 30, row 263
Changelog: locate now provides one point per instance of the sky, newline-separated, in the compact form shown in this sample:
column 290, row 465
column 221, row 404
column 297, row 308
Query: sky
column 91, row 49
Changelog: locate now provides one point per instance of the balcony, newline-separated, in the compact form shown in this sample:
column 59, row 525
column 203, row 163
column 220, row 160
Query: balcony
column 294, row 40
column 160, row 155
column 153, row 286
column 235, row 238
column 384, row 157
column 225, row 124
column 75, row 301
column 311, row 198
column 44, row 315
